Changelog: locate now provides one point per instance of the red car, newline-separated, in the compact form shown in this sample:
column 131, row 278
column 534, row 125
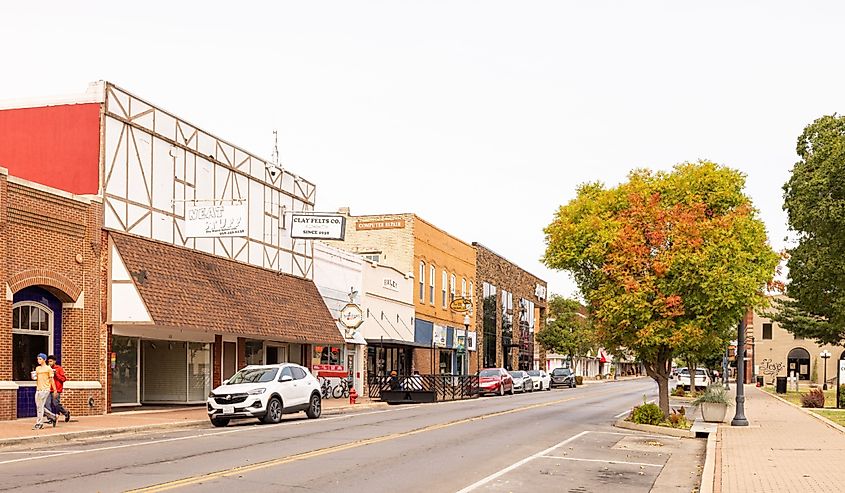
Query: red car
column 495, row 381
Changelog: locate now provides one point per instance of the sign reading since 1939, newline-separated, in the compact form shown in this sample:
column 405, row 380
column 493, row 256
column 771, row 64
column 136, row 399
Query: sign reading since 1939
column 215, row 221
column 317, row 226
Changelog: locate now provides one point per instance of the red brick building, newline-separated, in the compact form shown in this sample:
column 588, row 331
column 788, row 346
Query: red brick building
column 103, row 265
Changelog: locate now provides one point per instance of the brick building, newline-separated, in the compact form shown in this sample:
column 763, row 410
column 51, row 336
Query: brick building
column 52, row 295
column 443, row 269
column 99, row 243
column 511, row 309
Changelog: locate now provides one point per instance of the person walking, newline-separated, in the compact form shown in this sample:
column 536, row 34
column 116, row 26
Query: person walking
column 44, row 385
column 59, row 379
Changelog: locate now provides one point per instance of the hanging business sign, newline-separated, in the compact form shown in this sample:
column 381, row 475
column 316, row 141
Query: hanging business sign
column 318, row 226
column 215, row 221
column 460, row 305
column 351, row 316
column 464, row 341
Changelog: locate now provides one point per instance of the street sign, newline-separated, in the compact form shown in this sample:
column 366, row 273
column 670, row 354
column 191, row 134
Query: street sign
column 460, row 305
column 351, row 316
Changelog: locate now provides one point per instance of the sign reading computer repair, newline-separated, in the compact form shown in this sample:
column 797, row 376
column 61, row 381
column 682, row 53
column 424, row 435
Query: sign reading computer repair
column 215, row 221
column 318, row 226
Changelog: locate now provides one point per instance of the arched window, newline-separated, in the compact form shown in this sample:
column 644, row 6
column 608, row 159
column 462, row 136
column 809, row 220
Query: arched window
column 32, row 333
column 422, row 281
column 432, row 273
column 798, row 361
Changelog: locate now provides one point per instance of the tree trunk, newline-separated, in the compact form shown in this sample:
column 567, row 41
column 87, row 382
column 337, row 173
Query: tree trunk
column 692, row 376
column 658, row 370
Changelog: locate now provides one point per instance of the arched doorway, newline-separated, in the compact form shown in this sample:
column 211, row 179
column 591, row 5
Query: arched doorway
column 36, row 328
column 798, row 361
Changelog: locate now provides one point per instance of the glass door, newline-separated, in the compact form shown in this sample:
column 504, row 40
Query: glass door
column 124, row 370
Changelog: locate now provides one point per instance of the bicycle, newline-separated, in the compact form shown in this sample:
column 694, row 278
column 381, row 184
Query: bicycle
column 325, row 388
column 341, row 390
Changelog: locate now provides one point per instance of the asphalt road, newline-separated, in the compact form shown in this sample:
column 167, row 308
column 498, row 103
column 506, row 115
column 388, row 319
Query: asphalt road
column 544, row 441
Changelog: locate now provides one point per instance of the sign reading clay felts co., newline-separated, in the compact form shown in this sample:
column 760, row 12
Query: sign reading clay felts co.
column 351, row 316
column 317, row 226
column 386, row 224
column 215, row 221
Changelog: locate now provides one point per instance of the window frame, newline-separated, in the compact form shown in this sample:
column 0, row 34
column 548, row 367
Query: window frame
column 463, row 287
column 49, row 333
column 422, row 281
column 452, row 282
column 432, row 275
column 769, row 327
column 445, row 280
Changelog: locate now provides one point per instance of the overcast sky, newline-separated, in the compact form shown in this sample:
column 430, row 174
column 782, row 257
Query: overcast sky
column 481, row 117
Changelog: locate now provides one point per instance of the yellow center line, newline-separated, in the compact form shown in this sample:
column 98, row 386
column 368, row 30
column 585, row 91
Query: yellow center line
column 340, row 448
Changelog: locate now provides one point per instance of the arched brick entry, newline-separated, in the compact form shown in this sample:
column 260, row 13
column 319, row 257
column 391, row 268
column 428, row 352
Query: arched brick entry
column 60, row 286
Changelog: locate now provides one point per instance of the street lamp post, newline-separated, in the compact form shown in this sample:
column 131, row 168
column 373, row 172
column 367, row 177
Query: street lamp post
column 739, row 417
column 825, row 355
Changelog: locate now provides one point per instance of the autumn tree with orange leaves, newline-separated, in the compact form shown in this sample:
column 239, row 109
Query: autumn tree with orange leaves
column 668, row 261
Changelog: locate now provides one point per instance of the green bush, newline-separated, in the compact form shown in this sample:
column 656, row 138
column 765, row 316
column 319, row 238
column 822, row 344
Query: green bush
column 679, row 392
column 714, row 393
column 842, row 396
column 647, row 414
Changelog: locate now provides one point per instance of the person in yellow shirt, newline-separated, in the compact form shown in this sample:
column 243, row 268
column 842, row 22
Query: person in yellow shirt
column 44, row 386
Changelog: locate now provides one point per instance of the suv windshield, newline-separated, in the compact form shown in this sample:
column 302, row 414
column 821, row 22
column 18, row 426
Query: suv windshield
column 561, row 372
column 534, row 373
column 489, row 373
column 253, row 375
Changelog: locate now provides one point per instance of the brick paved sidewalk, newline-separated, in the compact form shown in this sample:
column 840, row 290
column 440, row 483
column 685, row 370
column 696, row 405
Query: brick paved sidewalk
column 783, row 450
column 16, row 431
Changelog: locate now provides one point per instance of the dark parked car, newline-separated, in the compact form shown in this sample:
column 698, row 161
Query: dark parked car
column 495, row 381
column 563, row 377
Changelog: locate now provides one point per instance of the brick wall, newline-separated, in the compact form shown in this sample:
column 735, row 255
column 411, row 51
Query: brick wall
column 52, row 240
column 8, row 404
column 395, row 244
column 505, row 275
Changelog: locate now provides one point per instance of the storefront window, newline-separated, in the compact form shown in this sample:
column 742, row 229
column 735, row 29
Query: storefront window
column 254, row 352
column 489, row 311
column 445, row 362
column 124, row 372
column 199, row 371
column 326, row 355
column 31, row 334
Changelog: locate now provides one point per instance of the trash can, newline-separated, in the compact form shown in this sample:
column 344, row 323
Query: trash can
column 781, row 385
column 760, row 381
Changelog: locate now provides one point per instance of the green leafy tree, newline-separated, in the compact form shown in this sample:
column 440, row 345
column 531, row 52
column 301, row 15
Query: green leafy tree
column 568, row 331
column 664, row 259
column 814, row 199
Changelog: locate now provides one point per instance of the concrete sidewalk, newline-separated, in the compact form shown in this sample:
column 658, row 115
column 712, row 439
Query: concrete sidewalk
column 19, row 431
column 782, row 450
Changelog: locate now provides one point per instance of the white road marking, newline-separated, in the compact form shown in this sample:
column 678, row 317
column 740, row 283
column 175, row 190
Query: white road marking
column 601, row 460
column 627, row 411
column 515, row 465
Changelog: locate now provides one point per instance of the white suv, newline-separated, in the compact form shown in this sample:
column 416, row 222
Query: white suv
column 265, row 392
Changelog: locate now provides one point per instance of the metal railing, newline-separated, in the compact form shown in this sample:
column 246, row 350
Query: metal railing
column 444, row 387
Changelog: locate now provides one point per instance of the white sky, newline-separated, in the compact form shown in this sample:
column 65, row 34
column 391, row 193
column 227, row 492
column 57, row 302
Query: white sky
column 481, row 117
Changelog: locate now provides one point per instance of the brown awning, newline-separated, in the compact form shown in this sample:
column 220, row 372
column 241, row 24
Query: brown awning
column 194, row 290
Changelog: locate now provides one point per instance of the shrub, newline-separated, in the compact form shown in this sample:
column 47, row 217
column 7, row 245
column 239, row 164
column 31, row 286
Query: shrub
column 579, row 380
column 647, row 414
column 814, row 398
column 679, row 392
column 714, row 393
column 842, row 395
column 678, row 420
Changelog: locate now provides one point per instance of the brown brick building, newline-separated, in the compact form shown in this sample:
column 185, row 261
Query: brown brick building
column 51, row 296
column 511, row 309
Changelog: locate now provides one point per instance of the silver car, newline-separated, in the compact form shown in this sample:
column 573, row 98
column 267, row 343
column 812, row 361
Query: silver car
column 522, row 381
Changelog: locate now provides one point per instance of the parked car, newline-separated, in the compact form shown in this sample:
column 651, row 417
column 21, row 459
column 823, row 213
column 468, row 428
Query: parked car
column 702, row 378
column 562, row 377
column 495, row 381
column 265, row 392
column 522, row 381
column 541, row 379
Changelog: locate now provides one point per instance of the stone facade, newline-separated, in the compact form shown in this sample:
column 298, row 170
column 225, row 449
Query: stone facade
column 68, row 272
column 496, row 270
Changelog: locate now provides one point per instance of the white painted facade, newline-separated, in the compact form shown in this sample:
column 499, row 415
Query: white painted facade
column 388, row 304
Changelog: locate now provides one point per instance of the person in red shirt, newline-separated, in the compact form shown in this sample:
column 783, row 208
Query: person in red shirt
column 59, row 378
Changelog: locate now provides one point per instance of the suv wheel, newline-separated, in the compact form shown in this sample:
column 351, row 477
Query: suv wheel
column 274, row 411
column 219, row 422
column 315, row 408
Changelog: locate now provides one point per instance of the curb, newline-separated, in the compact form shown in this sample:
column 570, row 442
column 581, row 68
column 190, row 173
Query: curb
column 708, row 476
column 107, row 432
column 657, row 430
column 807, row 411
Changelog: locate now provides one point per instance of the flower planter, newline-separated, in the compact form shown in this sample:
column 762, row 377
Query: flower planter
column 713, row 412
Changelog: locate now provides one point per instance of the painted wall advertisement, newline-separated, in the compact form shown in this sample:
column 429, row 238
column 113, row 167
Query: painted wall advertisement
column 215, row 221
column 318, row 226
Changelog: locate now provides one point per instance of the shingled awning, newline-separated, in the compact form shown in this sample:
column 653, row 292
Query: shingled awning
column 194, row 290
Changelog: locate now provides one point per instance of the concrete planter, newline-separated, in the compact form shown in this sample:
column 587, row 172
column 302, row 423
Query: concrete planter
column 713, row 412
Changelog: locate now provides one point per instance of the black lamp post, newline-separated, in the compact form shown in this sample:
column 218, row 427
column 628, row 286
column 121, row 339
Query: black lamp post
column 825, row 356
column 739, row 417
